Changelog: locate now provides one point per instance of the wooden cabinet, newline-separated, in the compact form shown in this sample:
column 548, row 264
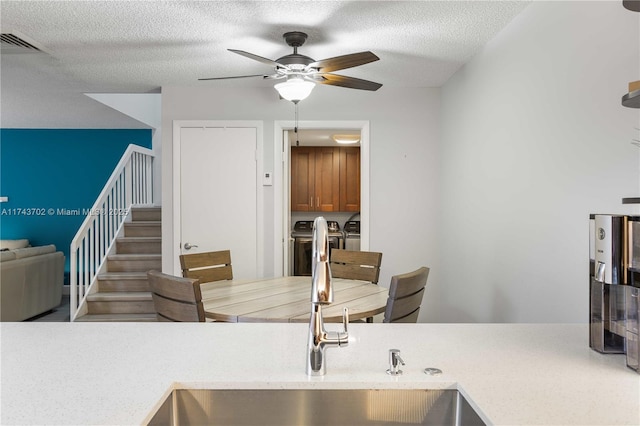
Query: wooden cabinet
column 303, row 172
column 325, row 179
column 350, row 179
column 315, row 179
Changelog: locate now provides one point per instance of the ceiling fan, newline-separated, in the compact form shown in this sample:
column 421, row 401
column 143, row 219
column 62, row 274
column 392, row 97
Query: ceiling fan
column 300, row 73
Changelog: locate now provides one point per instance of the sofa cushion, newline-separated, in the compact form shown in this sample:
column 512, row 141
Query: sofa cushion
column 7, row 255
column 13, row 244
column 34, row 251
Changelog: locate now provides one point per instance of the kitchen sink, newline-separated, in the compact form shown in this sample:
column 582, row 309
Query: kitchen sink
column 315, row 407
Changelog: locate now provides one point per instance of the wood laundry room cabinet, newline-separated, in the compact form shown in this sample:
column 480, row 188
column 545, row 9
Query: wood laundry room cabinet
column 325, row 179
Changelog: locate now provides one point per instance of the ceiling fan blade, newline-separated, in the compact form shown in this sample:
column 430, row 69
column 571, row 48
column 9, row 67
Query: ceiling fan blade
column 265, row 61
column 343, row 62
column 349, row 82
column 237, row 76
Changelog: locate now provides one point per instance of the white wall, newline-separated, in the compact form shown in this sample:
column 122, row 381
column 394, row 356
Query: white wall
column 404, row 160
column 534, row 138
column 145, row 108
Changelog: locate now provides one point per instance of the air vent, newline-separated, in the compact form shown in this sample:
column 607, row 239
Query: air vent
column 14, row 42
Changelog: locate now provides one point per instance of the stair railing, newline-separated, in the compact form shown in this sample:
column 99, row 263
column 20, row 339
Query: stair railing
column 130, row 184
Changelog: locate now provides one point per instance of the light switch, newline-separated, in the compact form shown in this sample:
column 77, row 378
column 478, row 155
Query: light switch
column 267, row 179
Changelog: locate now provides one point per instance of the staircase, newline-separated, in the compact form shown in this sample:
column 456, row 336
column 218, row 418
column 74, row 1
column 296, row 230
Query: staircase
column 123, row 292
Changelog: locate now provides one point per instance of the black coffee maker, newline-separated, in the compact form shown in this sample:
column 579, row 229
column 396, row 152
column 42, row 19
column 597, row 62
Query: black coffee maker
column 608, row 276
column 614, row 282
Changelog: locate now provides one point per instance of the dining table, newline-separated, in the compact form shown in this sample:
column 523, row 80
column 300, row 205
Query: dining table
column 288, row 299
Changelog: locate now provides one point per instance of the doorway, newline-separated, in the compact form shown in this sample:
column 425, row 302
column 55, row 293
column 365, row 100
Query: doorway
column 283, row 243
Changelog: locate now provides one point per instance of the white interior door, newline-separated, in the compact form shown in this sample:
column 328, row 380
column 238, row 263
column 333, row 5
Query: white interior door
column 218, row 205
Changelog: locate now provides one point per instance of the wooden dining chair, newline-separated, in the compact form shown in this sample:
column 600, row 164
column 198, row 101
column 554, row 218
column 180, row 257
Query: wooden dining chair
column 207, row 267
column 176, row 299
column 355, row 265
column 405, row 296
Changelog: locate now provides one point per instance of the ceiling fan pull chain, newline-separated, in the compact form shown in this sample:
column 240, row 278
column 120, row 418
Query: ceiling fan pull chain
column 295, row 128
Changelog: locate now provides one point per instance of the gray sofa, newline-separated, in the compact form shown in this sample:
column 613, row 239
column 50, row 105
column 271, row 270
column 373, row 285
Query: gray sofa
column 31, row 281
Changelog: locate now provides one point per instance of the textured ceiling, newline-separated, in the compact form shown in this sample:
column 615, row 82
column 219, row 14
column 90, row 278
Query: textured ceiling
column 139, row 46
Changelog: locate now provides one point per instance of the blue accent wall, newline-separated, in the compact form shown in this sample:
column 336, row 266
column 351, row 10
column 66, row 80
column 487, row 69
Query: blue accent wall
column 45, row 171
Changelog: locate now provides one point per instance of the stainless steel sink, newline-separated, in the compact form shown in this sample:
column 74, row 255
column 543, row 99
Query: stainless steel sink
column 315, row 407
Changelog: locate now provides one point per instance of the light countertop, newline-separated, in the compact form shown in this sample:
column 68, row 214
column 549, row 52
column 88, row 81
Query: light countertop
column 117, row 374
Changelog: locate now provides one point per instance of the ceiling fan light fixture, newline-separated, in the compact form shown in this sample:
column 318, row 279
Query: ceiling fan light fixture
column 295, row 89
column 346, row 139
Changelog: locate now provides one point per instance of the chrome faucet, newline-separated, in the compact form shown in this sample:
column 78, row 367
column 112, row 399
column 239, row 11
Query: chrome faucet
column 321, row 294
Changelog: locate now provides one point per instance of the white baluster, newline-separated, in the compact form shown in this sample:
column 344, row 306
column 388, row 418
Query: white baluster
column 130, row 182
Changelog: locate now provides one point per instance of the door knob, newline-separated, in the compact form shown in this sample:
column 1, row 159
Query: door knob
column 188, row 246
